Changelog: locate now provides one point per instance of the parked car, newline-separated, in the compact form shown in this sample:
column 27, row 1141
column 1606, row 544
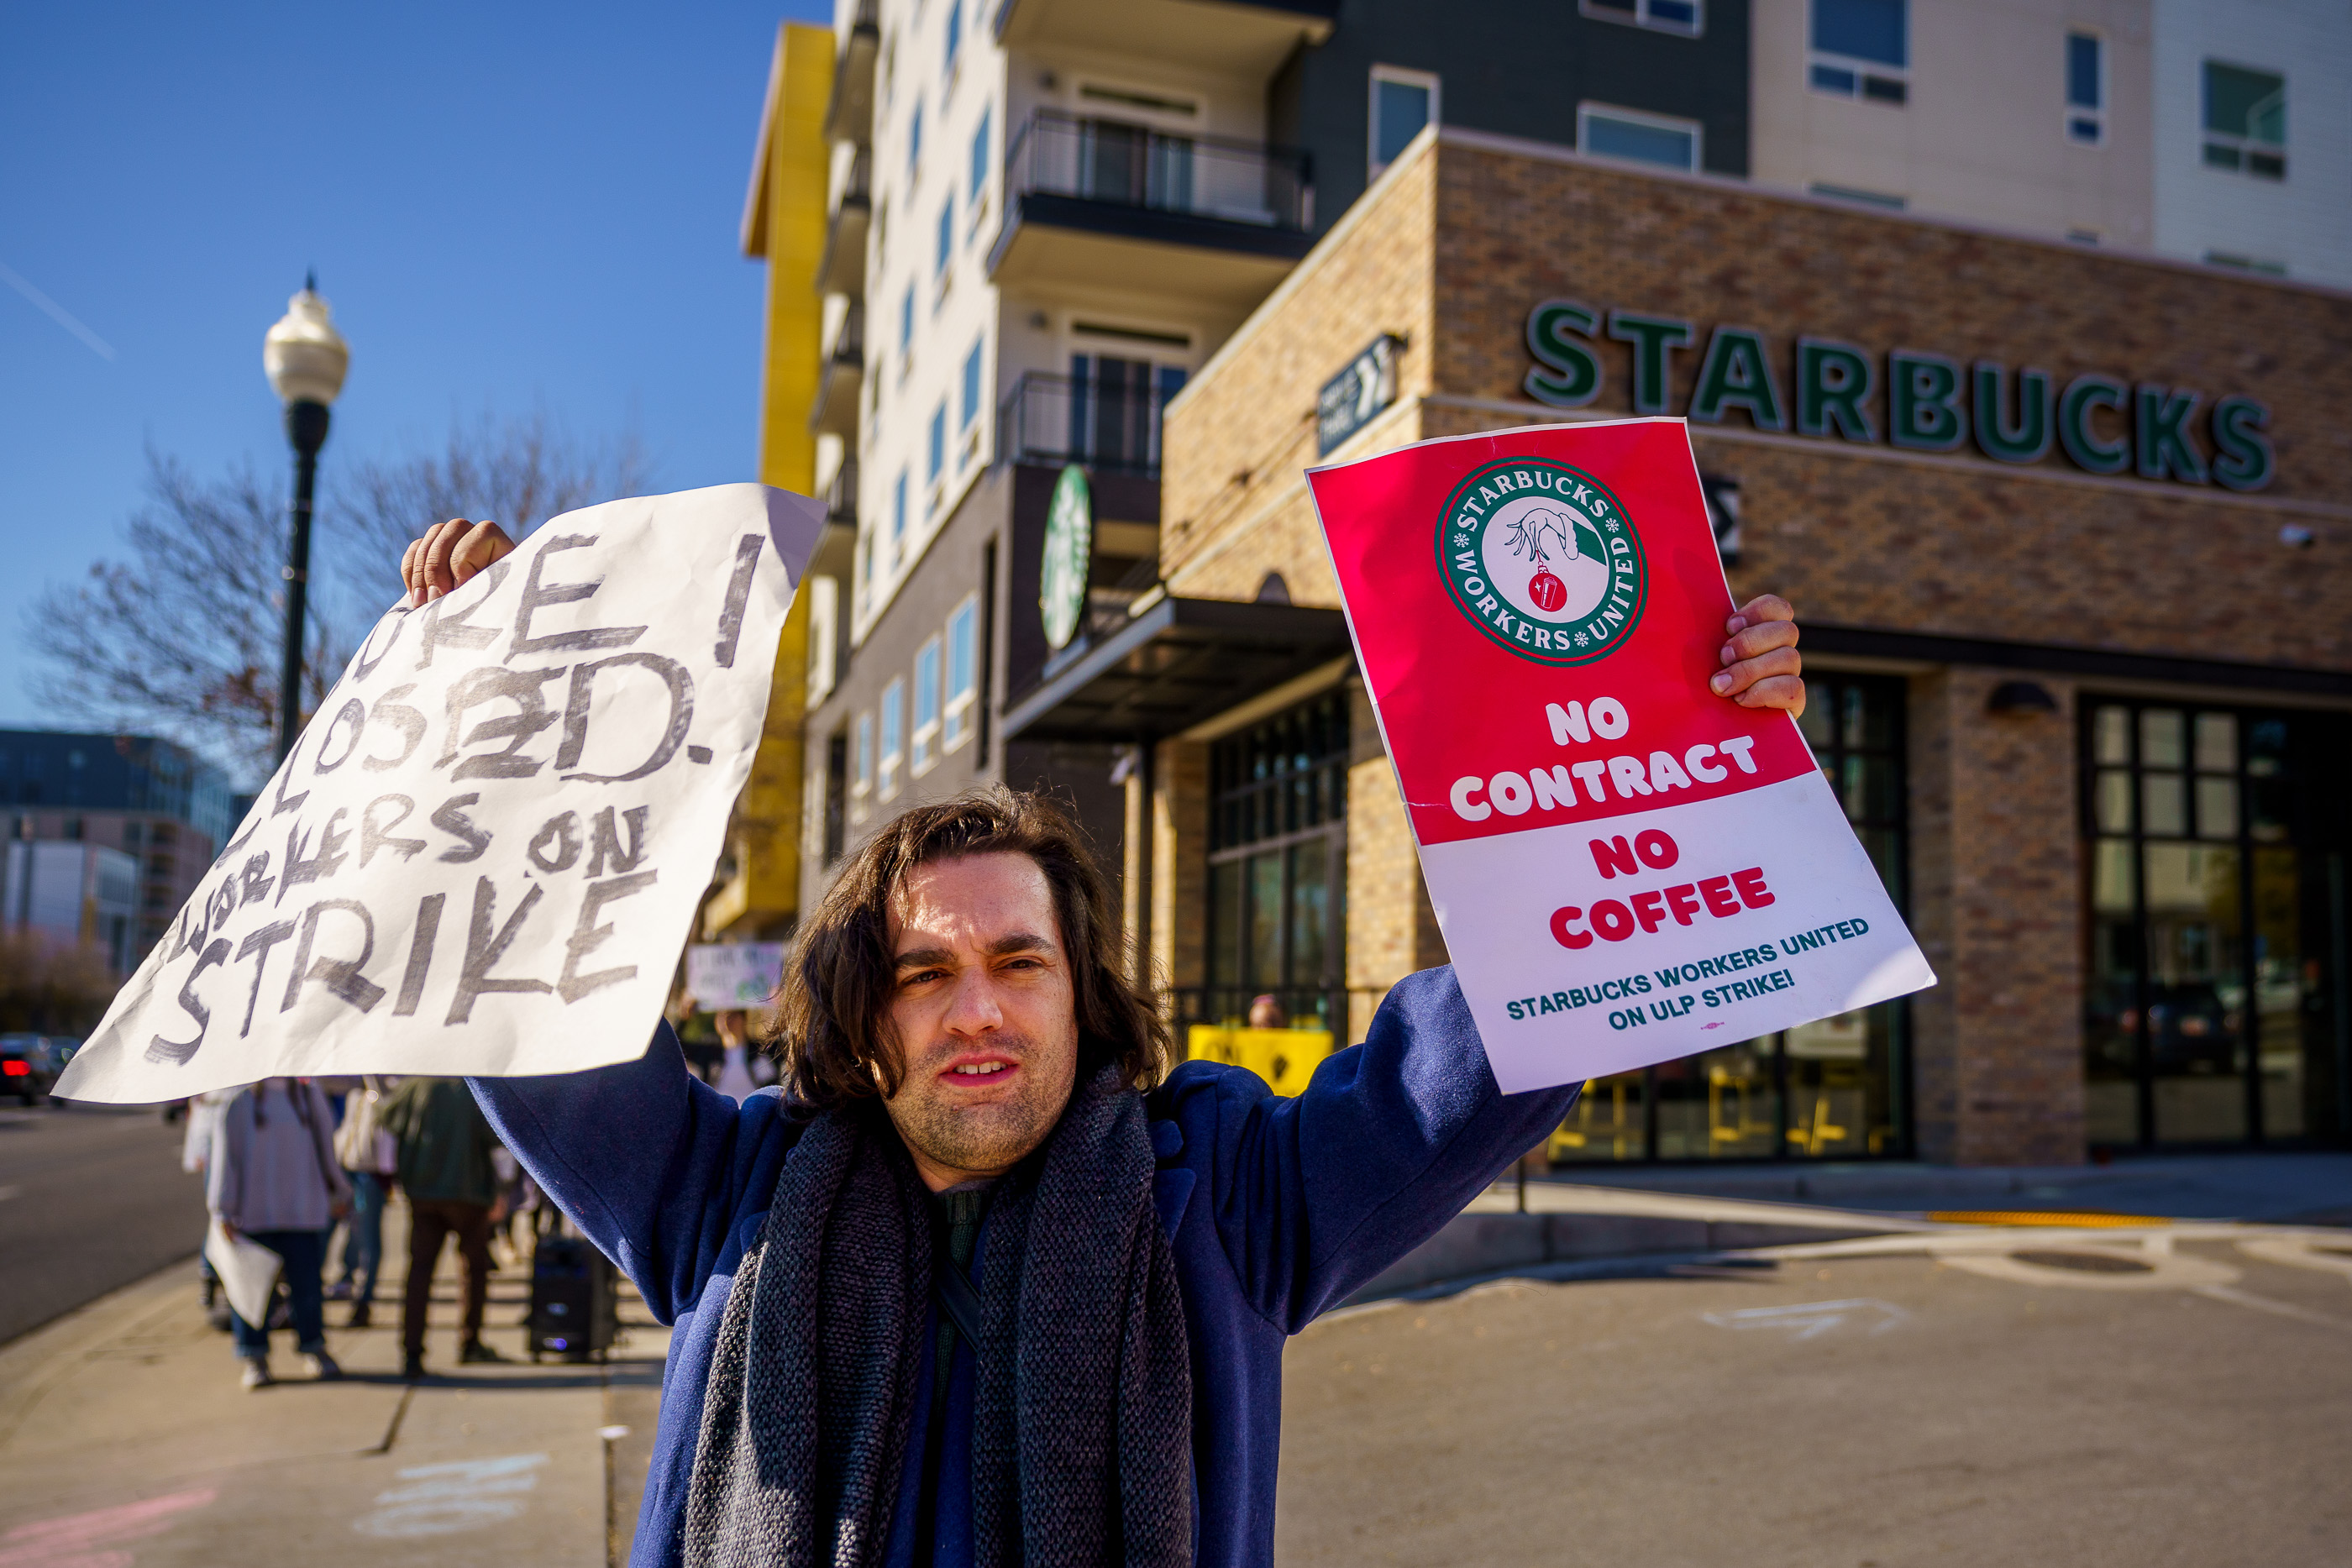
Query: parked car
column 30, row 1065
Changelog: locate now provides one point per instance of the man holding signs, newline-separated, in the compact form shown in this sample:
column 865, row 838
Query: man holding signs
column 986, row 1282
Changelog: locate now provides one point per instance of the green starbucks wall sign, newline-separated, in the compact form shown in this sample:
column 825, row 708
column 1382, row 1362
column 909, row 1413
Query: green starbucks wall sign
column 1069, row 554
column 1920, row 400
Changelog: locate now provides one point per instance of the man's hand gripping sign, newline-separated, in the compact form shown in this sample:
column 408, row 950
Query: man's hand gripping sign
column 1626, row 868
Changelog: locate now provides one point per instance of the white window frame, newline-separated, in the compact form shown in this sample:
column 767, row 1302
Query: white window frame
column 2245, row 147
column 956, row 712
column 1589, row 109
column 861, row 781
column 2096, row 115
column 1642, row 17
column 1859, row 68
column 924, row 749
column 1404, row 76
column 892, row 746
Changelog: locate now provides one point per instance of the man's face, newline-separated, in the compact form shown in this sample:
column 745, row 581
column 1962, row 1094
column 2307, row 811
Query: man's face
column 985, row 1012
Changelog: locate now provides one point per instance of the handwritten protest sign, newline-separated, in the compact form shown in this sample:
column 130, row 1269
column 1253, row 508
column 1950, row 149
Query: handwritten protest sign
column 733, row 974
column 1626, row 867
column 483, row 853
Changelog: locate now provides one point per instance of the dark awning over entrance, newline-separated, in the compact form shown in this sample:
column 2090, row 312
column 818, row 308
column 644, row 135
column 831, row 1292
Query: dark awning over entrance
column 1179, row 662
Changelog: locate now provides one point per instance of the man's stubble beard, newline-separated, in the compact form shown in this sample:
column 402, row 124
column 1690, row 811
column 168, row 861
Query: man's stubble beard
column 981, row 1138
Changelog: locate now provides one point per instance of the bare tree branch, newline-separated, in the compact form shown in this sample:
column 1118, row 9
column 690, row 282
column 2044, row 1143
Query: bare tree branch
column 182, row 637
column 518, row 472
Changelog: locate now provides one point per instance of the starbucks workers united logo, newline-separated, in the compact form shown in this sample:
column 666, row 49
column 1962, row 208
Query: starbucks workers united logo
column 1543, row 560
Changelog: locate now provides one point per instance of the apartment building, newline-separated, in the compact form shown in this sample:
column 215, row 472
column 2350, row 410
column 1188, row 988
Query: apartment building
column 1042, row 217
column 2206, row 130
column 1314, row 230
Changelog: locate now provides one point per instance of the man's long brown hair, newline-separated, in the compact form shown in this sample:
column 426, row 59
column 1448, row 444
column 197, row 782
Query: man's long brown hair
column 831, row 1029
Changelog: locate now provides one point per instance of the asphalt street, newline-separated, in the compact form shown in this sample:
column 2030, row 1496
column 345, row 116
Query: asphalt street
column 91, row 1197
column 2151, row 1399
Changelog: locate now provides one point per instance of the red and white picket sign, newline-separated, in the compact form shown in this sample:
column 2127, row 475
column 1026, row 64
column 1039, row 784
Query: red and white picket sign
column 1627, row 867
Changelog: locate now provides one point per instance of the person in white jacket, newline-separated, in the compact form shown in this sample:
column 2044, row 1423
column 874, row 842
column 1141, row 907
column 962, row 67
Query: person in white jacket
column 273, row 1180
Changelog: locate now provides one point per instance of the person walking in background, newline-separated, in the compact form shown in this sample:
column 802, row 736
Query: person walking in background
column 443, row 1160
column 271, row 1178
column 204, row 1115
column 367, row 1152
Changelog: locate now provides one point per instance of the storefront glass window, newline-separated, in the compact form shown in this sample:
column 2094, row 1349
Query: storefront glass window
column 2216, row 925
column 1277, row 999
column 1830, row 1090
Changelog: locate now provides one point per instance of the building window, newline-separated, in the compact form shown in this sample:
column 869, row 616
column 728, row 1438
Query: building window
column 1278, row 871
column 2268, row 267
column 955, row 34
column 1836, row 1089
column 914, row 145
column 2216, row 924
column 1402, row 103
column 972, row 367
column 2245, row 121
column 979, row 174
column 2086, row 88
column 894, row 737
column 934, row 455
column 1687, row 16
column 897, row 516
column 861, row 788
column 823, row 636
column 836, row 797
column 945, row 245
column 1861, row 49
column 1114, row 411
column 1886, row 199
column 962, row 672
column 926, row 706
column 1607, row 132
column 906, row 334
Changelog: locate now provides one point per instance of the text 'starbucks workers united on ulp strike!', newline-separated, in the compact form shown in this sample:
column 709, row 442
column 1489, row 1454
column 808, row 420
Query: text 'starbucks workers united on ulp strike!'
column 1626, row 867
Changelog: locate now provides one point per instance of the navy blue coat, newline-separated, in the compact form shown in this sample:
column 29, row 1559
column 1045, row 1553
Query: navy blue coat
column 1276, row 1209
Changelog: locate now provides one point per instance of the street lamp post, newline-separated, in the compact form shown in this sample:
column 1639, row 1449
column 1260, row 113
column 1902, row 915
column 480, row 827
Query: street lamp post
column 305, row 358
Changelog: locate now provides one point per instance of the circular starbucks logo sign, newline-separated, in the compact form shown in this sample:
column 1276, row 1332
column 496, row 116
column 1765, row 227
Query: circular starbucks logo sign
column 1069, row 554
column 1542, row 560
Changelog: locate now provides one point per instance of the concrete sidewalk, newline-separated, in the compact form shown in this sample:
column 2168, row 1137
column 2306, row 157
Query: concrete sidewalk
column 1592, row 1216
column 123, row 1434
column 2294, row 1189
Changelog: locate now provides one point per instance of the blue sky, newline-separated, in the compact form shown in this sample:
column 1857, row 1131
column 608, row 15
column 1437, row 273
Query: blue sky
column 521, row 208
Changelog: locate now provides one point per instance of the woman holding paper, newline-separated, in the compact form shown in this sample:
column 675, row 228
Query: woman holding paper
column 273, row 1183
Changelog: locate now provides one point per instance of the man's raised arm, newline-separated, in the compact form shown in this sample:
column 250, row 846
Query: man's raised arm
column 650, row 1162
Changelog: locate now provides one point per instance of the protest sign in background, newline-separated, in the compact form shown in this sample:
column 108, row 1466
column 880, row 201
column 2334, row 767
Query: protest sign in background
column 484, row 852
column 1627, row 868
column 721, row 975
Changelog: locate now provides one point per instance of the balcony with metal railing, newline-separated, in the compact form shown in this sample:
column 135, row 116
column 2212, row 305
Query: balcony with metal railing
column 1090, row 202
column 842, row 376
column 842, row 268
column 1109, row 426
column 849, row 113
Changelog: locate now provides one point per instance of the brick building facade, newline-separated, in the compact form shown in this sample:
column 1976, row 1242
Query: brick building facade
column 2087, row 688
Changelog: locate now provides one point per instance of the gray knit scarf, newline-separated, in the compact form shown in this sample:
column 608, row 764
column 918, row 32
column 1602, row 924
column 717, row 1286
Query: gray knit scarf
column 1081, row 1448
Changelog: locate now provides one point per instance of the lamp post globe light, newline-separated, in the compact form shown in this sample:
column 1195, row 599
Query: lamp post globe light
column 305, row 359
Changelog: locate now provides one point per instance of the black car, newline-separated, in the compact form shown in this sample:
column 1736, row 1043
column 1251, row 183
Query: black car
column 30, row 1065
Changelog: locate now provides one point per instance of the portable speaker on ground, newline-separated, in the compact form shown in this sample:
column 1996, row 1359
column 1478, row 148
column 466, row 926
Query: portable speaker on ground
column 573, row 1299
